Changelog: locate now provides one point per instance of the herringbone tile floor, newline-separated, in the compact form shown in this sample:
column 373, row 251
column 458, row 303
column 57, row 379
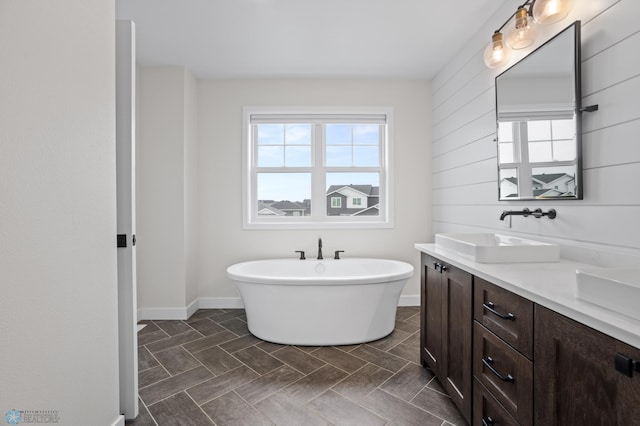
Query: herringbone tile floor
column 211, row 370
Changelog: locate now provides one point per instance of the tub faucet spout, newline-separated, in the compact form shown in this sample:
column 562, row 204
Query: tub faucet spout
column 320, row 249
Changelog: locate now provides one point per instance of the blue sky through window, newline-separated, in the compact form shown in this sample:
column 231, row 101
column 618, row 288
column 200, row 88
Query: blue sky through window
column 289, row 145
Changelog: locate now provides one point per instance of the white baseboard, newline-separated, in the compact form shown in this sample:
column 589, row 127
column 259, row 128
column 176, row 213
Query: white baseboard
column 410, row 300
column 162, row 314
column 225, row 303
column 193, row 307
column 221, row 303
column 119, row 421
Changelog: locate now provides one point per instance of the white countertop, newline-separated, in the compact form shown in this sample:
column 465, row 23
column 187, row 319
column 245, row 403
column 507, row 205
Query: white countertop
column 552, row 285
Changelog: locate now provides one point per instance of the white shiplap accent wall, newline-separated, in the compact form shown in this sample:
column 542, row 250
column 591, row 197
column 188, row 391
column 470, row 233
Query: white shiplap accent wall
column 464, row 161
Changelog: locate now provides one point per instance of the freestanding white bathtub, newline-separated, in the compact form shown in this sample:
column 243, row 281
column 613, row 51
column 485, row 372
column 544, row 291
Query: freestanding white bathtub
column 320, row 302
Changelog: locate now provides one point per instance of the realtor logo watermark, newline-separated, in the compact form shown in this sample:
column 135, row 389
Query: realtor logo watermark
column 16, row 417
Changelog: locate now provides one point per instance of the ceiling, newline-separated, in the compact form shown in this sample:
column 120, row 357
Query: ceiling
column 304, row 38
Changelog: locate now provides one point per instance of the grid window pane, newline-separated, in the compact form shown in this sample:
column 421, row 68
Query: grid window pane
column 284, row 145
column 333, row 157
column 284, row 194
column 352, row 145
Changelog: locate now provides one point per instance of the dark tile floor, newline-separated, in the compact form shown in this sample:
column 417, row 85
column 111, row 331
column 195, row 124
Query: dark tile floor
column 210, row 370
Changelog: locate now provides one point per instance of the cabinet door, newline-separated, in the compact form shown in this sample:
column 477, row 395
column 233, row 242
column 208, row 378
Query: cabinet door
column 431, row 301
column 576, row 382
column 455, row 367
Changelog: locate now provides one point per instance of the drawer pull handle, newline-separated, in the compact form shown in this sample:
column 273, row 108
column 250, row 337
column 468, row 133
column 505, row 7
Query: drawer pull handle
column 491, row 308
column 488, row 362
column 487, row 421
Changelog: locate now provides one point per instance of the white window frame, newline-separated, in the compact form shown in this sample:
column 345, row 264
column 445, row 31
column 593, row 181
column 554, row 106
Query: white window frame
column 337, row 204
column 319, row 218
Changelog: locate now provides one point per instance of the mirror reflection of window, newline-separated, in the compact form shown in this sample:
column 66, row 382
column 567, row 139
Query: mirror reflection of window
column 551, row 140
column 509, row 183
column 505, row 142
column 538, row 123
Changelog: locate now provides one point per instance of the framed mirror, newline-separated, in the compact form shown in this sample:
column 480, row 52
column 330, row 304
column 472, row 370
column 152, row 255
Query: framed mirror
column 539, row 127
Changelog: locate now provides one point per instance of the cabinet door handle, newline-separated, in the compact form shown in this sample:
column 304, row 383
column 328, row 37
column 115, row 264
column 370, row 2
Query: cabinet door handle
column 626, row 365
column 489, row 306
column 488, row 362
column 487, row 421
column 443, row 268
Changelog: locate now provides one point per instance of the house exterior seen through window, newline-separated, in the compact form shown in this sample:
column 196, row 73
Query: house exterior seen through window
column 316, row 168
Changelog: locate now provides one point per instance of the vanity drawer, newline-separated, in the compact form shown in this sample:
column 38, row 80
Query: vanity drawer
column 506, row 314
column 506, row 373
column 486, row 410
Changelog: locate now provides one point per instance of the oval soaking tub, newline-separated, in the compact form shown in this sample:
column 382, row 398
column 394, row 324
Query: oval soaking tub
column 320, row 302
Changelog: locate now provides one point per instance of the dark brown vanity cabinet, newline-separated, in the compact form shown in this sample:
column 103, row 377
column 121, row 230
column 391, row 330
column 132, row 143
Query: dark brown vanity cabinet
column 514, row 362
column 446, row 315
column 577, row 381
column 503, row 353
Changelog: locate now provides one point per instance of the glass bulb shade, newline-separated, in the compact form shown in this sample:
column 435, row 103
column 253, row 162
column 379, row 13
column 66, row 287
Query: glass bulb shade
column 551, row 11
column 522, row 33
column 497, row 52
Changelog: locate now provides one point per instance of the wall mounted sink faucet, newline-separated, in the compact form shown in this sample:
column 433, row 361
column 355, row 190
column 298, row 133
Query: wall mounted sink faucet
column 537, row 213
column 320, row 249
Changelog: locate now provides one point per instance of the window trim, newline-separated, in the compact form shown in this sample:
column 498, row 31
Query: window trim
column 249, row 179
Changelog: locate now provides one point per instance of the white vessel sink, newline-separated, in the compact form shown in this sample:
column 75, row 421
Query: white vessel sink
column 496, row 248
column 617, row 289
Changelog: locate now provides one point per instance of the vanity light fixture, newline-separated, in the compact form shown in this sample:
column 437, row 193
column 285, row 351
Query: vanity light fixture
column 497, row 52
column 523, row 29
column 523, row 32
column 550, row 11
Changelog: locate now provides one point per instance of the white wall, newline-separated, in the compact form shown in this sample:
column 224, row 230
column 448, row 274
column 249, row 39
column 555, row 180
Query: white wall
column 464, row 153
column 166, row 189
column 58, row 310
column 222, row 239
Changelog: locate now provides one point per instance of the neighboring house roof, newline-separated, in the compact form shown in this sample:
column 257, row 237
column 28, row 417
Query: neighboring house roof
column 264, row 209
column 546, row 193
column 288, row 205
column 513, row 180
column 368, row 190
column 548, row 178
column 369, row 211
column 543, row 178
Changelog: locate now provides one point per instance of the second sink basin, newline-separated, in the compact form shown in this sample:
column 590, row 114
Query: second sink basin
column 617, row 289
column 497, row 248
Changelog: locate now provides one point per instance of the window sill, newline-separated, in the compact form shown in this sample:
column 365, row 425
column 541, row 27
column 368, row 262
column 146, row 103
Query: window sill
column 317, row 225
